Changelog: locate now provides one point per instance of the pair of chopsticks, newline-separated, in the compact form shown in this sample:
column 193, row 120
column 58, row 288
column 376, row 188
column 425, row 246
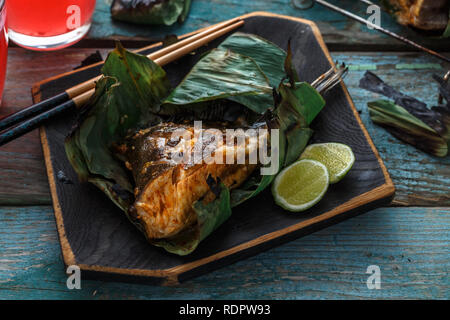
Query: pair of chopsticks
column 30, row 118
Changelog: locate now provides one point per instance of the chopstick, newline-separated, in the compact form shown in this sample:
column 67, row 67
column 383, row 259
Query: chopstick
column 81, row 93
column 83, row 87
column 165, row 59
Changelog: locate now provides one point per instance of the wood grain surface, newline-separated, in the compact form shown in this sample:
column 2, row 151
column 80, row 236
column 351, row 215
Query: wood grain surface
column 420, row 179
column 339, row 32
column 410, row 245
column 23, row 177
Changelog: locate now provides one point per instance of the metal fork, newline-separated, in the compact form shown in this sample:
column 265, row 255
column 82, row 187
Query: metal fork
column 330, row 79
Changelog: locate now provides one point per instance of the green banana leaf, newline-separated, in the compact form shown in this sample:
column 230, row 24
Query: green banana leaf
column 161, row 12
column 410, row 119
column 125, row 98
column 218, row 75
column 244, row 69
column 403, row 125
column 86, row 147
column 267, row 55
column 134, row 93
column 447, row 29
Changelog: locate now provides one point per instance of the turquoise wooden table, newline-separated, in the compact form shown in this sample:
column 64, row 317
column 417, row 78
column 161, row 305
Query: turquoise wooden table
column 409, row 241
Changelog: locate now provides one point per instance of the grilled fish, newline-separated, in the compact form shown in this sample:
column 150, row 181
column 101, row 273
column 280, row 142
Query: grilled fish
column 166, row 187
column 422, row 14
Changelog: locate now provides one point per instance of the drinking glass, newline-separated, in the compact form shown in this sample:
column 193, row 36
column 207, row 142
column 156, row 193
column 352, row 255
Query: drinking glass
column 3, row 46
column 48, row 24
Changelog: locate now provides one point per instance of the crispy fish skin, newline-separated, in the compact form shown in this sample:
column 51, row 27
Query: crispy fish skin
column 422, row 14
column 165, row 189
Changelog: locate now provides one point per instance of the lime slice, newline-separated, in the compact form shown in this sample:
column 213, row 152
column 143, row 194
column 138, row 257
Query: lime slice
column 337, row 157
column 301, row 185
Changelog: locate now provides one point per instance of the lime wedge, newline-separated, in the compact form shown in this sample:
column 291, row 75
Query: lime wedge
column 301, row 185
column 337, row 157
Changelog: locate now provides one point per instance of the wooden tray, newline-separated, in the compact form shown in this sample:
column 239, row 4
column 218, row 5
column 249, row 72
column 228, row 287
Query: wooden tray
column 96, row 236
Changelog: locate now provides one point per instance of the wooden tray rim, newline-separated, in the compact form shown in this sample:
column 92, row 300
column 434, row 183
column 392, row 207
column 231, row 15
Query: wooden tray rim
column 171, row 275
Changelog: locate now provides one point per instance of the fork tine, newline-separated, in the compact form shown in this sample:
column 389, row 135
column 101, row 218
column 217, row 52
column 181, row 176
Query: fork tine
column 322, row 77
column 329, row 79
column 335, row 80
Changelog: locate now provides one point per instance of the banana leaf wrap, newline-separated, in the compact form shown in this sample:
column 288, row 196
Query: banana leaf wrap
column 116, row 107
column 134, row 93
column 153, row 12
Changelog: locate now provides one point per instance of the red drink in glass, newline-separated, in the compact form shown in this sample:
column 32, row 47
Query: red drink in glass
column 48, row 24
column 3, row 46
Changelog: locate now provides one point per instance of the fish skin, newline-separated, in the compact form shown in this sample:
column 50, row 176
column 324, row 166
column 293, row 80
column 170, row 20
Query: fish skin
column 166, row 190
column 422, row 14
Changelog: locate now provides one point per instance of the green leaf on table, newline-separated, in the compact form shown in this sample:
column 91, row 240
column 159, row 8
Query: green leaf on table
column 403, row 125
column 161, row 12
column 447, row 30
column 410, row 119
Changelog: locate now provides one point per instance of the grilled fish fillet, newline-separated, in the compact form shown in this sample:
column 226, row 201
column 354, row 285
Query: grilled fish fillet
column 422, row 14
column 166, row 189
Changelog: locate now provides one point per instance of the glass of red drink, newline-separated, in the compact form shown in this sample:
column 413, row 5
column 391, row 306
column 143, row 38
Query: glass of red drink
column 3, row 46
column 48, row 24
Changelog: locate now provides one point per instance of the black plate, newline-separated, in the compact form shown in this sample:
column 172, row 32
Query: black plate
column 96, row 235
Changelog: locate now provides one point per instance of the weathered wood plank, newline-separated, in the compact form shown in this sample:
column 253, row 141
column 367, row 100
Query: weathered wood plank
column 410, row 245
column 23, row 179
column 420, row 179
column 339, row 32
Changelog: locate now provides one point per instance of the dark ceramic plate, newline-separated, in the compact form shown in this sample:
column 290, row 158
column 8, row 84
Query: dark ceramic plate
column 96, row 236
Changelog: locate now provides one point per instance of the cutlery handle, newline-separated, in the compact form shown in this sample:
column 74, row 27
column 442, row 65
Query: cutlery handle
column 35, row 122
column 33, row 110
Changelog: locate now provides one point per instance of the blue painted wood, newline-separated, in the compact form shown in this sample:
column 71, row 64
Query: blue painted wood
column 410, row 245
column 337, row 30
column 418, row 182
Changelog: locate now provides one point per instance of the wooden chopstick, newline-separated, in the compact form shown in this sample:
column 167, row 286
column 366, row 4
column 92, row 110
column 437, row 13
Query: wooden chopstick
column 83, row 87
column 89, row 84
column 170, row 57
column 45, row 113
